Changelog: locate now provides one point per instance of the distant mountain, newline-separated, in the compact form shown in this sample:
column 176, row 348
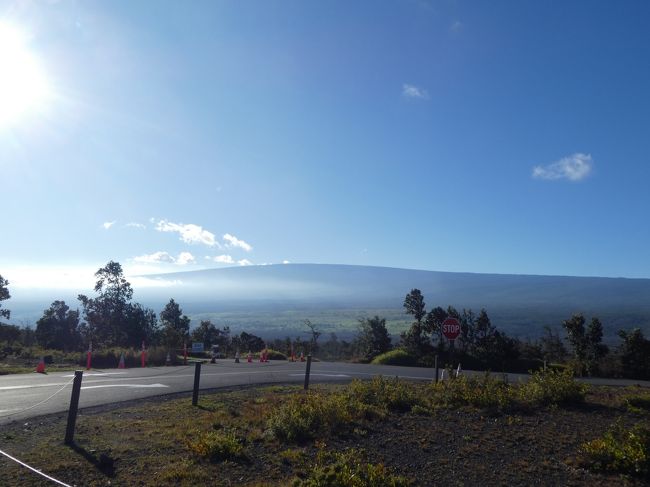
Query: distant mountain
column 276, row 298
column 520, row 303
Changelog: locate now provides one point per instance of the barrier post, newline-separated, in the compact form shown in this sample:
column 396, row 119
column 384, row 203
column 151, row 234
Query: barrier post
column 436, row 366
column 74, row 406
column 307, row 370
column 197, row 378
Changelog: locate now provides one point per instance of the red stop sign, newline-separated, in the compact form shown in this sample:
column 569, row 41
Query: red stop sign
column 451, row 328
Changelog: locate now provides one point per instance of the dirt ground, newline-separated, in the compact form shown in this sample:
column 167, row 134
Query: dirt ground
column 147, row 444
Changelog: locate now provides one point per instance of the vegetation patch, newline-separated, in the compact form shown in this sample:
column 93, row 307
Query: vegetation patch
column 395, row 357
column 349, row 469
column 217, row 445
column 623, row 450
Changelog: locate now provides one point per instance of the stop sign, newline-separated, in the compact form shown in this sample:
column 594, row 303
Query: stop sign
column 451, row 328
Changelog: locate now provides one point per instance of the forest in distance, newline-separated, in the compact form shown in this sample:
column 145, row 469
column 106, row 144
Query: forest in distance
column 111, row 319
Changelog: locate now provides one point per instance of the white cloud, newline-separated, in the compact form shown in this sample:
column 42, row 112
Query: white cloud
column 185, row 258
column 189, row 233
column 160, row 257
column 155, row 258
column 575, row 167
column 222, row 259
column 286, row 262
column 108, row 225
column 412, row 91
column 135, row 225
column 244, row 262
column 235, row 242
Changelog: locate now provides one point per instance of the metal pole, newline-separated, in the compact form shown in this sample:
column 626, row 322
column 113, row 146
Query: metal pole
column 197, row 377
column 436, row 366
column 74, row 406
column 307, row 371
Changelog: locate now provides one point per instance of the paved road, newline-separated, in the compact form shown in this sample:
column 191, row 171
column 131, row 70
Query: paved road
column 25, row 396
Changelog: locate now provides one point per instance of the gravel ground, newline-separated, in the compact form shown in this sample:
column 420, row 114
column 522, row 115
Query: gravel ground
column 447, row 448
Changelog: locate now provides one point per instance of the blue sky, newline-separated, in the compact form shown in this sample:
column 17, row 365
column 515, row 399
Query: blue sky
column 502, row 136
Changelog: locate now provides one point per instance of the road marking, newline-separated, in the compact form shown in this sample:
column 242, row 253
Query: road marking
column 6, row 388
column 321, row 375
column 98, row 374
column 134, row 386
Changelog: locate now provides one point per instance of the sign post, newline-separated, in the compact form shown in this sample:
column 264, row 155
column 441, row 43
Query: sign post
column 451, row 330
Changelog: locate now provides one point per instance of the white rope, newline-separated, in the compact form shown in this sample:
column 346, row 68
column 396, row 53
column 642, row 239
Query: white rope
column 37, row 404
column 34, row 470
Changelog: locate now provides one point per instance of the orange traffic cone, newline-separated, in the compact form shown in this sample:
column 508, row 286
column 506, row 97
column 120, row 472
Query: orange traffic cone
column 40, row 368
column 121, row 364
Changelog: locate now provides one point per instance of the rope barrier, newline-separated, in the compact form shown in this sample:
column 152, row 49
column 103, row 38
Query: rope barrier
column 52, row 479
column 37, row 404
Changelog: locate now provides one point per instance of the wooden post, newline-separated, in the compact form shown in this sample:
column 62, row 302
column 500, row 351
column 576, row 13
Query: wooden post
column 74, row 406
column 197, row 378
column 307, row 370
column 436, row 366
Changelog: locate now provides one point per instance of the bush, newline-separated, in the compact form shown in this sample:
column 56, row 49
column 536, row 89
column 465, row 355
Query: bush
column 395, row 357
column 387, row 394
column 217, row 445
column 552, row 387
column 349, row 469
column 275, row 355
column 310, row 415
column 484, row 392
column 637, row 403
column 623, row 450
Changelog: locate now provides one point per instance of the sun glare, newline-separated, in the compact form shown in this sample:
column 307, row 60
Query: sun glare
column 23, row 84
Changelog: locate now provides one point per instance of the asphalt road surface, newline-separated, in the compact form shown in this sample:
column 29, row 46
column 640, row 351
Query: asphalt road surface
column 24, row 396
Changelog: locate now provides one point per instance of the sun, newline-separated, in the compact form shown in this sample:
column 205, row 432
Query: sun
column 24, row 88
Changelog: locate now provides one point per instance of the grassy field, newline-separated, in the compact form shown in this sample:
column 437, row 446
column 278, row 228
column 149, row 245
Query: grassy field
column 375, row 433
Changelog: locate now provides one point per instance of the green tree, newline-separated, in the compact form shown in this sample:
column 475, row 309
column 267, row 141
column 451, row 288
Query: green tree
column 106, row 314
column 551, row 346
column 175, row 325
column 206, row 333
column 9, row 333
column 58, row 328
column 415, row 339
column 141, row 324
column 373, row 338
column 635, row 354
column 586, row 343
column 433, row 325
column 4, row 295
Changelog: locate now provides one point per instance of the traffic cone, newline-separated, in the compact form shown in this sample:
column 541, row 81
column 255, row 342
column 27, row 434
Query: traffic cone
column 121, row 364
column 40, row 368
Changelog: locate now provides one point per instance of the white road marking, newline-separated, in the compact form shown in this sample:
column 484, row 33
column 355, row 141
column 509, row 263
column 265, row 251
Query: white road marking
column 98, row 374
column 321, row 375
column 134, row 386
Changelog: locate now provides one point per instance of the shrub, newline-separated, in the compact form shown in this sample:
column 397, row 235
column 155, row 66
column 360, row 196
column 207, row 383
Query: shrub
column 310, row 415
column 349, row 469
column 275, row 355
column 395, row 357
column 552, row 387
column 389, row 394
column 637, row 403
column 624, row 450
column 483, row 392
column 217, row 445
